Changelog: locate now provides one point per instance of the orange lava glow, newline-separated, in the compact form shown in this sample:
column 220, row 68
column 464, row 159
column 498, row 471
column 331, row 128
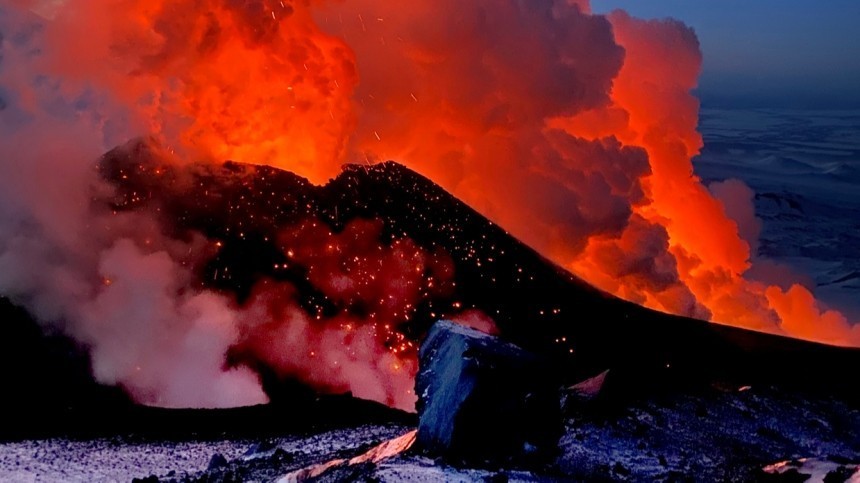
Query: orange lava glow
column 243, row 80
column 573, row 131
column 651, row 93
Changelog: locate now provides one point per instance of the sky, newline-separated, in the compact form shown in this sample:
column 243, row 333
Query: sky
column 768, row 53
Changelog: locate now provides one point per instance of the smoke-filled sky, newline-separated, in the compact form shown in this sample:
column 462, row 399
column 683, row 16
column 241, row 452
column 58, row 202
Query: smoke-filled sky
column 768, row 53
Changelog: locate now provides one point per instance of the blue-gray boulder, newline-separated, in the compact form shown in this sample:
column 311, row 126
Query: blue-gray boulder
column 484, row 399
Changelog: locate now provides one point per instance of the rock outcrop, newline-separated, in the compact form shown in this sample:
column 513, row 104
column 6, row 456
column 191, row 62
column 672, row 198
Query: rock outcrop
column 483, row 399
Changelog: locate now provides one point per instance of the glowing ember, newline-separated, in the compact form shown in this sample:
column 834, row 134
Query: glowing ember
column 380, row 452
column 369, row 290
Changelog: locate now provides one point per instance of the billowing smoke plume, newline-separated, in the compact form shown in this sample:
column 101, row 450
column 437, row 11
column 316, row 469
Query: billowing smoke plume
column 651, row 93
column 110, row 281
column 573, row 131
column 576, row 133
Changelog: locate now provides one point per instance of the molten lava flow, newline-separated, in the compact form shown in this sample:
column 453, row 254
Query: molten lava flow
column 380, row 452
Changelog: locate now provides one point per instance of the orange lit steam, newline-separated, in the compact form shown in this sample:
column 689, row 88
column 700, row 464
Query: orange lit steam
column 223, row 79
column 573, row 131
column 652, row 108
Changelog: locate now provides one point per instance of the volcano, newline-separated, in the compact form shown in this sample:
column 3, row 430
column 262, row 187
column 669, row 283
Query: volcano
column 532, row 302
column 380, row 247
column 266, row 227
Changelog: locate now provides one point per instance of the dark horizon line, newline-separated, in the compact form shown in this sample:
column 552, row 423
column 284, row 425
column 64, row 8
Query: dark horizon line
column 722, row 101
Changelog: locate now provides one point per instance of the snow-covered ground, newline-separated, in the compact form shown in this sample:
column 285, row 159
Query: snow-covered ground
column 108, row 459
column 805, row 169
column 121, row 459
column 718, row 433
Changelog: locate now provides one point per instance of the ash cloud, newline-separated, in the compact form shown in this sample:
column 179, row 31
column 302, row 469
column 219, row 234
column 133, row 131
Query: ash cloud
column 513, row 107
column 464, row 94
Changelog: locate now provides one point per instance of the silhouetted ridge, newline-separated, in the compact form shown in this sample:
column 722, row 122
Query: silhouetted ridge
column 535, row 303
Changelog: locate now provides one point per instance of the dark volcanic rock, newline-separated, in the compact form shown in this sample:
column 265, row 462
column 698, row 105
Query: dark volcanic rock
column 46, row 380
column 711, row 434
column 483, row 399
column 217, row 461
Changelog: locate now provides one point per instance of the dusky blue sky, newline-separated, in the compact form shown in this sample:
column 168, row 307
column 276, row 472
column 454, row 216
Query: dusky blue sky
column 768, row 53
